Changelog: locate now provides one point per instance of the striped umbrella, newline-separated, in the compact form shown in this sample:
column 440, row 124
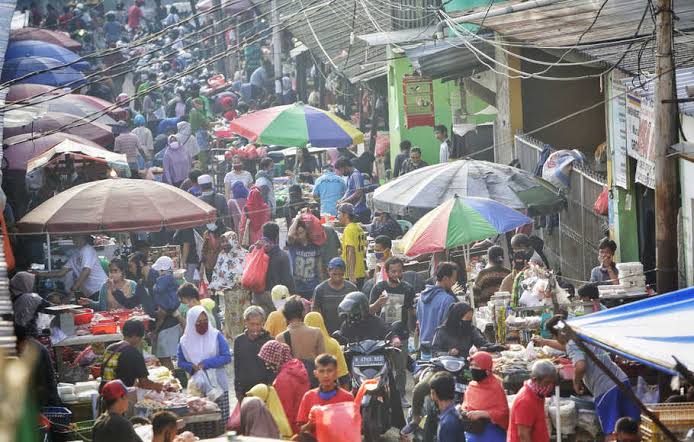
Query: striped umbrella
column 296, row 125
column 460, row 221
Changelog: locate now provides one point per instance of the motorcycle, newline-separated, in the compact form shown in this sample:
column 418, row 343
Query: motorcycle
column 369, row 361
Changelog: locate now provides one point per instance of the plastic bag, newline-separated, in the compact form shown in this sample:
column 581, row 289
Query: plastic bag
column 340, row 421
column 316, row 233
column 234, row 421
column 648, row 394
column 201, row 384
column 601, row 206
column 255, row 269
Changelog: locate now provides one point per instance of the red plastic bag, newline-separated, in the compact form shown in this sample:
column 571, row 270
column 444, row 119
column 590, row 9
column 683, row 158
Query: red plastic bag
column 255, row 269
column 602, row 204
column 340, row 421
column 316, row 233
column 234, row 421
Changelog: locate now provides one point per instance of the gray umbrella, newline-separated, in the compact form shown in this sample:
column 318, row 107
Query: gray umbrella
column 414, row 194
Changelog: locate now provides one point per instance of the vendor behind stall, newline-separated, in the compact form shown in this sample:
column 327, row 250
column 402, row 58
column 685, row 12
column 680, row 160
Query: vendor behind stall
column 84, row 267
column 606, row 272
column 124, row 361
column 115, row 292
column 306, row 166
column 113, row 426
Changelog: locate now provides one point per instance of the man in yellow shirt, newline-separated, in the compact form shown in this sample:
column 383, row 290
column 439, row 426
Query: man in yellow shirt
column 353, row 245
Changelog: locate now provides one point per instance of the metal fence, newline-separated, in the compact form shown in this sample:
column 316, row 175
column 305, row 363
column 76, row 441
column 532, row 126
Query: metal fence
column 572, row 246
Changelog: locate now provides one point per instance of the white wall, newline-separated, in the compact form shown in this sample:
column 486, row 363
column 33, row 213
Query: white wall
column 687, row 183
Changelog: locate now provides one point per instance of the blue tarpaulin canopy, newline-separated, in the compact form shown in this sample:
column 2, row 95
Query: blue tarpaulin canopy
column 651, row 331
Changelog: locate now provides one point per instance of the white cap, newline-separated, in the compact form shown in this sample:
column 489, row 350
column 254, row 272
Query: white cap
column 163, row 263
column 204, row 179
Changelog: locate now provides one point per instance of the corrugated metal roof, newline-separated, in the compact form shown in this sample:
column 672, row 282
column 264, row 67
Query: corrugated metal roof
column 562, row 23
column 329, row 29
column 400, row 36
column 684, row 77
column 447, row 58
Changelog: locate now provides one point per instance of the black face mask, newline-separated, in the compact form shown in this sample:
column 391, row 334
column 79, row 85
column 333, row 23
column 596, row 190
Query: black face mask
column 478, row 374
column 466, row 326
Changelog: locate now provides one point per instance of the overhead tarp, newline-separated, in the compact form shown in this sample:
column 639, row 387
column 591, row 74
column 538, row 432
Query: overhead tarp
column 650, row 331
column 448, row 58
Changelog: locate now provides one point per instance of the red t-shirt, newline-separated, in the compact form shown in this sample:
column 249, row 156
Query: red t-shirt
column 134, row 16
column 311, row 399
column 528, row 410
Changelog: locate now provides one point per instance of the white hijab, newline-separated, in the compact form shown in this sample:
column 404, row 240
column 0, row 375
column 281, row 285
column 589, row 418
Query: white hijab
column 196, row 347
column 186, row 138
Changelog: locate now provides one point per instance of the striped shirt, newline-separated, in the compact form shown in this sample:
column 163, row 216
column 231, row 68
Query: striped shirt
column 128, row 144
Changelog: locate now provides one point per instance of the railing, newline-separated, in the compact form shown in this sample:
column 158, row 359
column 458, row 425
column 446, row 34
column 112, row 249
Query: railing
column 572, row 246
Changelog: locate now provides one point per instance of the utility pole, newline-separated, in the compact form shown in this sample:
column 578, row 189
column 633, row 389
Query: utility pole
column 666, row 194
column 219, row 41
column 276, row 46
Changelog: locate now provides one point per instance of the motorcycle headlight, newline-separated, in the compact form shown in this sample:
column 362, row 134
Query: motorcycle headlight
column 453, row 365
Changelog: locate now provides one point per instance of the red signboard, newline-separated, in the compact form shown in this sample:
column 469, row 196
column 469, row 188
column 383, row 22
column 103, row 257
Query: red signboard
column 418, row 93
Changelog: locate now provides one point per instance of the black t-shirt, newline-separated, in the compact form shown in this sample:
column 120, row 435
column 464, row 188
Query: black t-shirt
column 400, row 301
column 131, row 364
column 187, row 236
column 326, row 299
column 111, row 427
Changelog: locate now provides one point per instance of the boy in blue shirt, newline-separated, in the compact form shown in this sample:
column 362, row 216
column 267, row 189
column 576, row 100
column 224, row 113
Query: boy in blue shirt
column 451, row 428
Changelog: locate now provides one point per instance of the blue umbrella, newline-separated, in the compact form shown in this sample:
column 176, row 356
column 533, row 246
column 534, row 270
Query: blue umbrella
column 61, row 76
column 35, row 48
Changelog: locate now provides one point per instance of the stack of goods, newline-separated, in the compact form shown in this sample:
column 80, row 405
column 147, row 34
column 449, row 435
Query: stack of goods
column 78, row 392
column 111, row 321
column 632, row 280
column 175, row 401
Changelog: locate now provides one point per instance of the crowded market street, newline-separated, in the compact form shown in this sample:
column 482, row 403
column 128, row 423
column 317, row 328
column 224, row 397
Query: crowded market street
column 346, row 221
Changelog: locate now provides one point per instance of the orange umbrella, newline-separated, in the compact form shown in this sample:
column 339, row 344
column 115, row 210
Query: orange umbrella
column 118, row 205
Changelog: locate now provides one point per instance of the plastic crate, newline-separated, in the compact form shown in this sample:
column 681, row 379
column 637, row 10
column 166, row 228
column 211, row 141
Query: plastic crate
column 678, row 418
column 206, row 430
column 82, row 431
column 59, row 417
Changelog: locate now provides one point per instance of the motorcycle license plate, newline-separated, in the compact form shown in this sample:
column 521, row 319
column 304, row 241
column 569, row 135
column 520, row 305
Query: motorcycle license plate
column 459, row 388
column 368, row 360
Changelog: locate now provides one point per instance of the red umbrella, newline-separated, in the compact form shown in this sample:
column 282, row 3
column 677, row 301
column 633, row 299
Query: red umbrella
column 118, row 113
column 24, row 91
column 32, row 120
column 56, row 37
column 18, row 150
column 118, row 205
column 21, row 92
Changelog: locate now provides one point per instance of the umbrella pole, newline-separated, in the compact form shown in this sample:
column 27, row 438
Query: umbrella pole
column 571, row 334
column 48, row 247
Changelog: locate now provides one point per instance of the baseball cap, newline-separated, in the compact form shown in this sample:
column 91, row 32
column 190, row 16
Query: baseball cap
column 163, row 263
column 113, row 390
column 204, row 179
column 346, row 208
column 337, row 263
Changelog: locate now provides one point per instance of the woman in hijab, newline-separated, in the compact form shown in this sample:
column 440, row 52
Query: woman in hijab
column 186, row 138
column 202, row 347
column 255, row 214
column 315, row 319
column 485, row 402
column 457, row 335
column 226, row 279
column 271, row 400
column 291, row 381
column 25, row 302
column 237, row 202
column 176, row 163
column 256, row 420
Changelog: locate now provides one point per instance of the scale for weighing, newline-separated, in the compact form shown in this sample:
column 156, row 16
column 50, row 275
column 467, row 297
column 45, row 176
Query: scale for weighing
column 66, row 317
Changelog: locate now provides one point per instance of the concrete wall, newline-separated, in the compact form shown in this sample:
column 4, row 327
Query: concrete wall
column 546, row 101
column 509, row 105
column 421, row 136
column 687, row 212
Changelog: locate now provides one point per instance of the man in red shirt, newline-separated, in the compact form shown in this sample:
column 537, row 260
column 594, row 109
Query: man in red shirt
column 135, row 14
column 527, row 422
column 327, row 392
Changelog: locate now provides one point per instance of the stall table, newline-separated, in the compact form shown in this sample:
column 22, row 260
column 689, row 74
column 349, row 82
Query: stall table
column 81, row 340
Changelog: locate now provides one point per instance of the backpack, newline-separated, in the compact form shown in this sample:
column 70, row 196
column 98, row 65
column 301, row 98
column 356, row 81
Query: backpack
column 308, row 363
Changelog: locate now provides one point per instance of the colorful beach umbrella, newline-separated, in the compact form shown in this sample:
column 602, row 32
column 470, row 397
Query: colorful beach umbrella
column 296, row 125
column 460, row 221
column 416, row 193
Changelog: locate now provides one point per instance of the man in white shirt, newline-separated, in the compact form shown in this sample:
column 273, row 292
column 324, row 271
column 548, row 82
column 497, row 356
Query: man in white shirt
column 445, row 147
column 86, row 274
column 237, row 174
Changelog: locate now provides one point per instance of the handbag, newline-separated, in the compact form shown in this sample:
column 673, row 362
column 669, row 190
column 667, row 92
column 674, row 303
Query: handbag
column 204, row 283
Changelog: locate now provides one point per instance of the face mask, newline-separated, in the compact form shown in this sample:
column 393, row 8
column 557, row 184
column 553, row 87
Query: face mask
column 478, row 374
column 378, row 255
column 238, row 167
column 545, row 391
column 211, row 227
column 174, row 145
column 466, row 325
column 201, row 328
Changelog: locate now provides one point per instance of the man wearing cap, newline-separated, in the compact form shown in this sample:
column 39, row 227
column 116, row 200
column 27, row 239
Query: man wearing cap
column 353, row 245
column 328, row 189
column 237, row 173
column 112, row 425
column 328, row 294
column 128, row 144
column 215, row 200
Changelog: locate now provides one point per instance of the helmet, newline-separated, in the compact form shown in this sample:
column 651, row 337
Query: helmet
column 354, row 308
column 166, row 66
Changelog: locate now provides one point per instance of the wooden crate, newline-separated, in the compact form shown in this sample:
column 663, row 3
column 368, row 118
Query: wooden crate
column 678, row 418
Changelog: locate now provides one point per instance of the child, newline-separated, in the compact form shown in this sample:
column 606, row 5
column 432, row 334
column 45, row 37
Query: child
column 327, row 392
column 626, row 430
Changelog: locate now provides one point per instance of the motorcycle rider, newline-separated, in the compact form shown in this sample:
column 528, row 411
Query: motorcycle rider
column 360, row 325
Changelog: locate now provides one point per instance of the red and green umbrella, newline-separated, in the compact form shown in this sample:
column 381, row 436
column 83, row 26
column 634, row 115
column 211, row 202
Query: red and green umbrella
column 460, row 221
column 296, row 125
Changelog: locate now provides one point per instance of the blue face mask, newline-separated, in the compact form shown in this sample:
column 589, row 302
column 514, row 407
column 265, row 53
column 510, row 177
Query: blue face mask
column 379, row 255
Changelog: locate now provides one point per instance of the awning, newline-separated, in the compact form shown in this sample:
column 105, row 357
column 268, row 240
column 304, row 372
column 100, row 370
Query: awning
column 448, row 58
column 651, row 331
column 400, row 36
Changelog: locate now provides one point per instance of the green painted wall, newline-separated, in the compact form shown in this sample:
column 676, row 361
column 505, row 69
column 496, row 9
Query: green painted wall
column 473, row 105
column 421, row 136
